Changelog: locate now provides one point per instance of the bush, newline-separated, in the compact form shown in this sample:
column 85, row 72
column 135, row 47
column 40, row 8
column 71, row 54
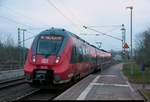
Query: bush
column 10, row 54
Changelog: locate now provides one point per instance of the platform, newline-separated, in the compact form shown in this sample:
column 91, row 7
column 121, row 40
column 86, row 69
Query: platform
column 8, row 75
column 110, row 84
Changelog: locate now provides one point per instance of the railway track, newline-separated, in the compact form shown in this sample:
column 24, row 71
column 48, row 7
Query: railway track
column 11, row 83
column 43, row 94
column 18, row 90
column 11, row 89
column 39, row 94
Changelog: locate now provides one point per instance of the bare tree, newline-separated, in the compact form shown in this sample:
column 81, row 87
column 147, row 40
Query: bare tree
column 143, row 48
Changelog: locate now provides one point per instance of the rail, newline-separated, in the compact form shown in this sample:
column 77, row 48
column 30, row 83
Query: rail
column 11, row 83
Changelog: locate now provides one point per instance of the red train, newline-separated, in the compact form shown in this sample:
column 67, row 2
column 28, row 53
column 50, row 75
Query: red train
column 58, row 56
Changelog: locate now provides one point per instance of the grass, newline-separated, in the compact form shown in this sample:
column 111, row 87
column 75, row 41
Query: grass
column 146, row 93
column 137, row 76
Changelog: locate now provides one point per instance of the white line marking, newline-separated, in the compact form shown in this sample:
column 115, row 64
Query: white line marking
column 125, row 78
column 130, row 86
column 87, row 90
column 96, row 79
column 90, row 86
column 109, row 75
column 110, row 84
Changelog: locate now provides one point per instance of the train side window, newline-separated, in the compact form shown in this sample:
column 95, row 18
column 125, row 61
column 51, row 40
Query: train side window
column 74, row 55
column 80, row 55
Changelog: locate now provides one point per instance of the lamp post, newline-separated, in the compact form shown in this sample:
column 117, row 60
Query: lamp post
column 131, row 8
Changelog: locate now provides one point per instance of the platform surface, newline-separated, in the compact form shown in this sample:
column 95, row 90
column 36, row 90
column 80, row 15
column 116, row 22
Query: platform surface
column 110, row 84
column 8, row 75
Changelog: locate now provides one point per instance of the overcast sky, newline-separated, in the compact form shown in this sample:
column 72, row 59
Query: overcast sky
column 104, row 15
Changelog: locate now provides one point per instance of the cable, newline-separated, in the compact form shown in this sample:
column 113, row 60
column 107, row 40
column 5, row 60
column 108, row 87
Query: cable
column 60, row 12
column 38, row 28
column 14, row 21
column 20, row 23
column 90, row 34
column 29, row 37
column 105, row 26
column 18, row 13
column 102, row 33
column 112, row 30
column 70, row 12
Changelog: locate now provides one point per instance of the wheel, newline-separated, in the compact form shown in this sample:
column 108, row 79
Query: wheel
column 96, row 70
column 76, row 78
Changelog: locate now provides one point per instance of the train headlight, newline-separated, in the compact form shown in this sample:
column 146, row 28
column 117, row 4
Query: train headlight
column 33, row 59
column 57, row 59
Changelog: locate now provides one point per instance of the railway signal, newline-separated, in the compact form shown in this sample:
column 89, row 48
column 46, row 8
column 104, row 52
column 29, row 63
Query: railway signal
column 125, row 46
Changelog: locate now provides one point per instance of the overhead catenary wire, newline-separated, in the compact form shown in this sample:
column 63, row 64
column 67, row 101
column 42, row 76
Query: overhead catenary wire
column 79, row 21
column 31, row 37
column 14, row 21
column 102, row 33
column 105, row 26
column 20, row 23
column 61, row 13
column 25, row 16
column 91, row 34
column 19, row 14
column 71, row 13
column 116, row 28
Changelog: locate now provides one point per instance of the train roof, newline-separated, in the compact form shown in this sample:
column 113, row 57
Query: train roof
column 66, row 33
column 54, row 31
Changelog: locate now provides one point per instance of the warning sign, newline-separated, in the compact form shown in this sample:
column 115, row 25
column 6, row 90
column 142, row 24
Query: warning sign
column 125, row 45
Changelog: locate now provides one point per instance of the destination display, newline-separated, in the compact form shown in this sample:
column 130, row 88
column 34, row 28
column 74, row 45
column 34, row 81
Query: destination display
column 51, row 37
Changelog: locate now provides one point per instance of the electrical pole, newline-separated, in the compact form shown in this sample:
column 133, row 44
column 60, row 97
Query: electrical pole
column 131, row 8
column 19, row 47
column 19, row 42
column 23, row 45
column 123, row 37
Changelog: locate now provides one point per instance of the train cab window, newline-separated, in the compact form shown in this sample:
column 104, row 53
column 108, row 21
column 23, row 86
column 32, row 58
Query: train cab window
column 34, row 45
column 49, row 45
